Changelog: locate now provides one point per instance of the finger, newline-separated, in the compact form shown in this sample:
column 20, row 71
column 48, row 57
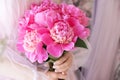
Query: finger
column 52, row 75
column 65, row 66
column 55, row 76
column 62, row 59
column 63, row 69
column 65, row 72
column 62, row 76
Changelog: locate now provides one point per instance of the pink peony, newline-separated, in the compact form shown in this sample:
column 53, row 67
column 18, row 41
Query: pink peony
column 62, row 33
column 70, row 11
column 46, row 18
column 59, row 39
column 33, row 46
column 31, row 39
column 50, row 29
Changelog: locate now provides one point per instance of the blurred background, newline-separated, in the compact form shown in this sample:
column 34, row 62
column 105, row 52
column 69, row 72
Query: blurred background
column 87, row 6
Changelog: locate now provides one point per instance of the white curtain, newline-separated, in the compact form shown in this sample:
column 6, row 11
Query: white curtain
column 104, row 40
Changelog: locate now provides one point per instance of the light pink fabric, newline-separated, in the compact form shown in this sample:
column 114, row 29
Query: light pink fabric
column 104, row 40
column 5, row 78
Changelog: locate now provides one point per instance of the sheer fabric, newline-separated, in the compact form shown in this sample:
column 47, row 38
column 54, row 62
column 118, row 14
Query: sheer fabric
column 12, row 64
column 104, row 40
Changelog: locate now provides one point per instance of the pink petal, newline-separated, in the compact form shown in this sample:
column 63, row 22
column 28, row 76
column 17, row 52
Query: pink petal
column 78, row 29
column 34, row 26
column 43, row 30
column 42, row 56
column 68, row 47
column 55, row 50
column 41, row 53
column 40, row 19
column 75, row 39
column 72, row 21
column 39, row 59
column 51, row 17
column 84, row 20
column 47, row 40
column 20, row 47
column 50, row 23
column 22, row 23
column 84, row 34
column 29, row 16
column 32, row 57
column 45, row 56
column 21, row 33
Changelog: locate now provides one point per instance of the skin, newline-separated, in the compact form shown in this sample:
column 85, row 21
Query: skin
column 61, row 67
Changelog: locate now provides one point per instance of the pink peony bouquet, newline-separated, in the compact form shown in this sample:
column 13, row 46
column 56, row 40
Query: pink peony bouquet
column 50, row 29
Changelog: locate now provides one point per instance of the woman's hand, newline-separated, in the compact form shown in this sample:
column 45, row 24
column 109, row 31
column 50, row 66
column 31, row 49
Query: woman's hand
column 55, row 75
column 64, row 63
column 61, row 67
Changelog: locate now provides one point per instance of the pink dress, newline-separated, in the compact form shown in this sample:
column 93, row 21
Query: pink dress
column 14, row 66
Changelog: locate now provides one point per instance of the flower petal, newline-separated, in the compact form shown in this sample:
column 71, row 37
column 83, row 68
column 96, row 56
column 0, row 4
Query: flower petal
column 34, row 26
column 51, row 17
column 72, row 21
column 20, row 47
column 84, row 34
column 55, row 50
column 31, row 56
column 43, row 30
column 68, row 47
column 21, row 35
column 41, row 53
column 75, row 39
column 47, row 40
column 40, row 19
column 42, row 56
column 78, row 29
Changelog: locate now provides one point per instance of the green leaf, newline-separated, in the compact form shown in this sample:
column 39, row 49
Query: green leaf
column 80, row 43
column 53, row 58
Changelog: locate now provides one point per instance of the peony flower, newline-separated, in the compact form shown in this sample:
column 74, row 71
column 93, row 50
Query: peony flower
column 47, row 18
column 30, row 41
column 50, row 29
column 59, row 38
column 72, row 11
column 33, row 47
column 62, row 33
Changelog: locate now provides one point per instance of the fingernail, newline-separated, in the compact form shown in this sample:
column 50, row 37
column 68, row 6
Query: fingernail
column 55, row 63
column 56, row 71
column 54, row 67
column 63, row 73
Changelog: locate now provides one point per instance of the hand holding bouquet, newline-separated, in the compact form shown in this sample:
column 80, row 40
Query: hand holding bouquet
column 48, row 30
